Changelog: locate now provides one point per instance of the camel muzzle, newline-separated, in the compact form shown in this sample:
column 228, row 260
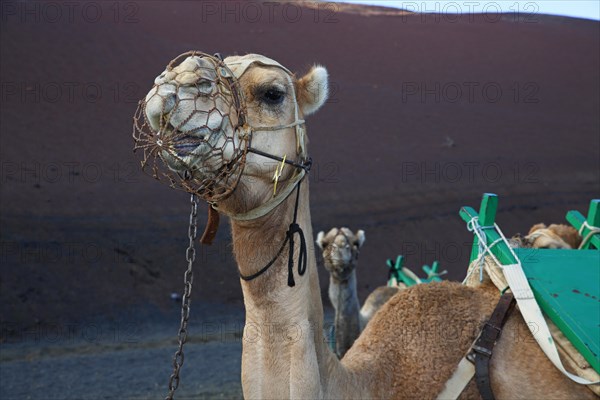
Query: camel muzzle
column 191, row 128
column 193, row 131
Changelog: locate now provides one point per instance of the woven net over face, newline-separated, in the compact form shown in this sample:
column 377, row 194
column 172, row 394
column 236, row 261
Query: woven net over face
column 190, row 127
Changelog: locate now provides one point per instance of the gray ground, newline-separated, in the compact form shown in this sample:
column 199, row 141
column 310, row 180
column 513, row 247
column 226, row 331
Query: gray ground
column 126, row 360
column 122, row 365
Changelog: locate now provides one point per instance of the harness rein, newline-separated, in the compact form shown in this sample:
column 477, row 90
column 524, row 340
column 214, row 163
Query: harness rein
column 302, row 169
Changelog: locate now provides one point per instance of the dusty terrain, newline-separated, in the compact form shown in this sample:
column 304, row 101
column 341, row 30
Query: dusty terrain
column 426, row 114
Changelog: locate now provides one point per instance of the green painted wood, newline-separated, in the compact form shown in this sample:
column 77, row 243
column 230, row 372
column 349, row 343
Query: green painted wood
column 500, row 250
column 432, row 272
column 487, row 211
column 593, row 218
column 566, row 285
column 487, row 216
column 576, row 219
column 396, row 272
column 467, row 214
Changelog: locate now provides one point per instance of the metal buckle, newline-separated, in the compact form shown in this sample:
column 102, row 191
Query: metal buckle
column 482, row 351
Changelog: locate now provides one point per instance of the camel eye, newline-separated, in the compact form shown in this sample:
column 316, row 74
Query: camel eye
column 272, row 96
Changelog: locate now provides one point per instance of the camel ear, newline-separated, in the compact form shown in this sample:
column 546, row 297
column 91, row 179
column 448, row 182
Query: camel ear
column 313, row 90
column 320, row 240
column 361, row 237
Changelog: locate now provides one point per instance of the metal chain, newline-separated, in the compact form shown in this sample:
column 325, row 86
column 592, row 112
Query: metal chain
column 188, row 278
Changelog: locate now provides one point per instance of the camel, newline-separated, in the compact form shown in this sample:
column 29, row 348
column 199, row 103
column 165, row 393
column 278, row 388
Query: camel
column 555, row 236
column 340, row 255
column 411, row 346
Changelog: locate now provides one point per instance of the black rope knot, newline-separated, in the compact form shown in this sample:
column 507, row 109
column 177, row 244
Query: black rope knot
column 302, row 259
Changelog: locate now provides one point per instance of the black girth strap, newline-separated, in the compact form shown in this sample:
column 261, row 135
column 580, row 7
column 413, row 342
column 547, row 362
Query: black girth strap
column 481, row 351
column 293, row 229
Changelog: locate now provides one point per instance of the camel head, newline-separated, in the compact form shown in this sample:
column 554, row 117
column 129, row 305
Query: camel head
column 207, row 115
column 340, row 251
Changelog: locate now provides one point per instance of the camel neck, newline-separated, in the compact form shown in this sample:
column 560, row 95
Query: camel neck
column 284, row 353
column 283, row 337
column 343, row 294
column 344, row 298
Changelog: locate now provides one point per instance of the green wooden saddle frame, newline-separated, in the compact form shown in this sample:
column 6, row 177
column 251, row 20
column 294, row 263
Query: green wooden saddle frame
column 566, row 283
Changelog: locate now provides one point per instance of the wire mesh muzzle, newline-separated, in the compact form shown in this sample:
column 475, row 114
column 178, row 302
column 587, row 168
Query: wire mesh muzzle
column 191, row 127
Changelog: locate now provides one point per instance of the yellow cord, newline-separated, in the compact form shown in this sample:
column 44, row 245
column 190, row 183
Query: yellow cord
column 278, row 172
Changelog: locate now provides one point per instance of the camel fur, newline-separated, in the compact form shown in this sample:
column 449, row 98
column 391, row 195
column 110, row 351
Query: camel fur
column 411, row 346
column 555, row 236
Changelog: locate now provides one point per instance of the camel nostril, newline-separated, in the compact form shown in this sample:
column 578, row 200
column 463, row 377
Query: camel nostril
column 169, row 103
column 159, row 102
column 205, row 87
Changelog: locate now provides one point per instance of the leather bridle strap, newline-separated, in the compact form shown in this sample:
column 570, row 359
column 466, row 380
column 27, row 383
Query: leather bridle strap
column 240, row 67
column 294, row 229
column 481, row 351
column 277, row 158
column 283, row 194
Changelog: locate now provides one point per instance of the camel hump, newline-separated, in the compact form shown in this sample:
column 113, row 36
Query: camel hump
column 381, row 295
column 431, row 325
column 375, row 301
column 443, row 303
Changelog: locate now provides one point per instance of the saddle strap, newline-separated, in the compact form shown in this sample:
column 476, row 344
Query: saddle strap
column 479, row 354
column 481, row 351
